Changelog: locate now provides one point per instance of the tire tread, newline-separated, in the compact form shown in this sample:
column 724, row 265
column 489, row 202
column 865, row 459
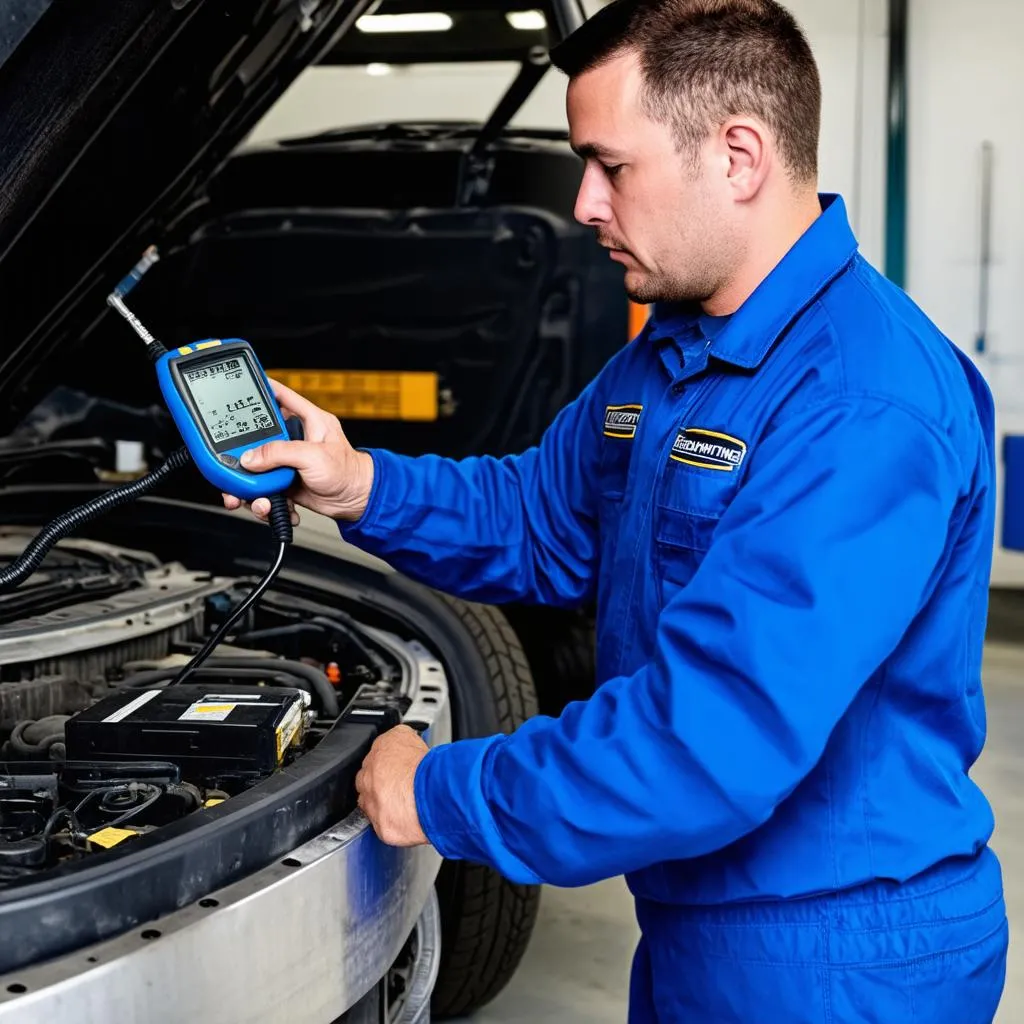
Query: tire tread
column 494, row 914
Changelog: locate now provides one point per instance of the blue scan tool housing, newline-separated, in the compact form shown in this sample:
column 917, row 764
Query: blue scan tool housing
column 218, row 463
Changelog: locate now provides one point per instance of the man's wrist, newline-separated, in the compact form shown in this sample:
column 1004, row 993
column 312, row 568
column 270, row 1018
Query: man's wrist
column 364, row 471
column 366, row 489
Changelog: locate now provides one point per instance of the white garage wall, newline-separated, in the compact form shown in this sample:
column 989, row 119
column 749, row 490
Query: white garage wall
column 965, row 86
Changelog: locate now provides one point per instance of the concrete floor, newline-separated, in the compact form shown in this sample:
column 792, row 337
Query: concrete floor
column 577, row 966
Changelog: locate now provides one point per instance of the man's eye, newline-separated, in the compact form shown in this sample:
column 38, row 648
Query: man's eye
column 612, row 171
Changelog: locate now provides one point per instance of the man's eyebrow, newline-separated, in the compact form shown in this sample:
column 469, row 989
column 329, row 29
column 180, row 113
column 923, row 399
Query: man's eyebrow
column 595, row 151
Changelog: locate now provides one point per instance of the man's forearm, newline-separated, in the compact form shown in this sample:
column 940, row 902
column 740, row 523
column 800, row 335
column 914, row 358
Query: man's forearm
column 481, row 528
column 517, row 528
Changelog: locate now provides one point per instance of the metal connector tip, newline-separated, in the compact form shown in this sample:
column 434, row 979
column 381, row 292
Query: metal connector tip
column 127, row 283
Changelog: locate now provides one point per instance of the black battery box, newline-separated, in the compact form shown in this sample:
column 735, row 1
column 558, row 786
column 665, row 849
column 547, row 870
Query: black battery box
column 207, row 732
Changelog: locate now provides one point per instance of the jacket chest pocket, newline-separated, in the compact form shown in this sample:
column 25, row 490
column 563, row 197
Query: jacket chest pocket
column 691, row 502
column 682, row 539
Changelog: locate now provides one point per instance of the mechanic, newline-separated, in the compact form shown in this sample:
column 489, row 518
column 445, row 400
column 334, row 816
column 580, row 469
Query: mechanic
column 781, row 497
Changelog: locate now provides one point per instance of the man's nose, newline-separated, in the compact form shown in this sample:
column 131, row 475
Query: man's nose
column 592, row 205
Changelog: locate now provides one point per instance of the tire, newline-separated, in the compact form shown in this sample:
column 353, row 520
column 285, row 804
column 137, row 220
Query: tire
column 559, row 646
column 486, row 921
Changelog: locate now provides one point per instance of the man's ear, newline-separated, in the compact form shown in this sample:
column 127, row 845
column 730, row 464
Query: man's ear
column 749, row 148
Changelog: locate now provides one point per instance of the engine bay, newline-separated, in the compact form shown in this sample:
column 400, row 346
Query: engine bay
column 101, row 748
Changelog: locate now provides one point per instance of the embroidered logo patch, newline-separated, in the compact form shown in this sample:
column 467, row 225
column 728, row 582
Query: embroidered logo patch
column 622, row 420
column 708, row 449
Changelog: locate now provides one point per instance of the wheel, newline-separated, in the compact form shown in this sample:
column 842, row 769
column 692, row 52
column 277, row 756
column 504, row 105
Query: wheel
column 486, row 921
column 559, row 646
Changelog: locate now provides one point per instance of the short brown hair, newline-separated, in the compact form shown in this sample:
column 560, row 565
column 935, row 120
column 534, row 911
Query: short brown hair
column 704, row 61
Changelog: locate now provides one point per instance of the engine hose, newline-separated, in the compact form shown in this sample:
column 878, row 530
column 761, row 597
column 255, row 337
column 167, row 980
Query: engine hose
column 304, row 677
column 31, row 558
column 334, row 620
column 319, row 682
column 32, row 737
column 187, row 793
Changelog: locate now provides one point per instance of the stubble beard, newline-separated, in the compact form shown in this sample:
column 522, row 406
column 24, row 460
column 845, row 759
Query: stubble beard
column 647, row 288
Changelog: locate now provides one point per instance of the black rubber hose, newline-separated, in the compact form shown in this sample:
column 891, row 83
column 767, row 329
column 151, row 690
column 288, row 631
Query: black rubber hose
column 333, row 619
column 348, row 630
column 31, row 558
column 30, row 737
column 275, row 632
column 304, row 677
column 187, row 793
column 321, row 684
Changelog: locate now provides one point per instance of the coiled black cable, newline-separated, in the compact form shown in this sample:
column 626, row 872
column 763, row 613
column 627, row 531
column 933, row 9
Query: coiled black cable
column 31, row 558
column 281, row 518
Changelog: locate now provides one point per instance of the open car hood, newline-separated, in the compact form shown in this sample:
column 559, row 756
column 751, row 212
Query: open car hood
column 113, row 115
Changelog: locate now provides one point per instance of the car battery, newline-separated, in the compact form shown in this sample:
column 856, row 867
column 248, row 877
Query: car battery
column 206, row 732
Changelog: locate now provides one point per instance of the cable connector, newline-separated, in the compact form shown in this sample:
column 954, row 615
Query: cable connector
column 116, row 301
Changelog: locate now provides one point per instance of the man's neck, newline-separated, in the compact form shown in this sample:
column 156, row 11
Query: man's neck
column 768, row 246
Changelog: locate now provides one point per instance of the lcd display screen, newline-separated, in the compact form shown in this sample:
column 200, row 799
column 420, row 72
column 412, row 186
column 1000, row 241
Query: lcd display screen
column 230, row 402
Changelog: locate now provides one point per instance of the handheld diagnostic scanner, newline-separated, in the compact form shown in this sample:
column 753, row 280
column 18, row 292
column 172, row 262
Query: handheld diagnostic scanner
column 223, row 405
column 220, row 400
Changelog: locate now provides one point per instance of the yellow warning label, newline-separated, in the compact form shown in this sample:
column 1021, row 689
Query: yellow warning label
column 205, row 711
column 288, row 730
column 108, row 837
column 367, row 394
column 213, row 801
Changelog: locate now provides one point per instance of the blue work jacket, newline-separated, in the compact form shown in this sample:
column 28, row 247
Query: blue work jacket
column 786, row 521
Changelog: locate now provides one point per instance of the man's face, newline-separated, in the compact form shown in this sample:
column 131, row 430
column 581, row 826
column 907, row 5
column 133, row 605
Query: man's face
column 670, row 224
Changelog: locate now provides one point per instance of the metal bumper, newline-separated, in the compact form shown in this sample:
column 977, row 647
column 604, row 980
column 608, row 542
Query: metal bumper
column 303, row 940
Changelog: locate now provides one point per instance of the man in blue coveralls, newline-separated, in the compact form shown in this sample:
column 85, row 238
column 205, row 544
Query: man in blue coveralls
column 781, row 497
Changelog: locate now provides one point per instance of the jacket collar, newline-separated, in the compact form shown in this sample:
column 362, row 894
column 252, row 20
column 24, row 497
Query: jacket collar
column 819, row 256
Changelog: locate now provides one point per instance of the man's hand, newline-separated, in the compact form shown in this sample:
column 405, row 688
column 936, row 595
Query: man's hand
column 334, row 479
column 385, row 786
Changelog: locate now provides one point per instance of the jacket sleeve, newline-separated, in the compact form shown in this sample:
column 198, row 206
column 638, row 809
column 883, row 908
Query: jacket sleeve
column 517, row 528
column 814, row 572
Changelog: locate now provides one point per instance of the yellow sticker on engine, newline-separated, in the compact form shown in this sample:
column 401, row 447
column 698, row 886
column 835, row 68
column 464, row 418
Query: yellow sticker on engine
column 288, row 730
column 367, row 394
column 108, row 837
column 204, row 711
column 213, row 801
